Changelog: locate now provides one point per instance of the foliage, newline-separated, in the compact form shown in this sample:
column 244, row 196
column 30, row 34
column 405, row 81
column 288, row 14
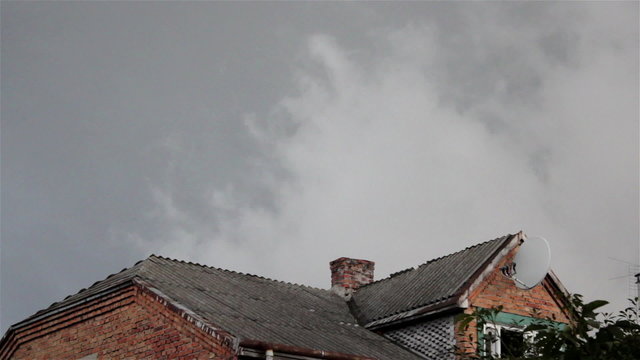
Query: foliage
column 590, row 335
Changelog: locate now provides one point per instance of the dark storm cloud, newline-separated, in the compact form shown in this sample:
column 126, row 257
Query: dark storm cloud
column 103, row 101
column 246, row 134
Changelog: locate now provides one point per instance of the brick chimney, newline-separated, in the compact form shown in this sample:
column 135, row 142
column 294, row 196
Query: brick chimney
column 347, row 275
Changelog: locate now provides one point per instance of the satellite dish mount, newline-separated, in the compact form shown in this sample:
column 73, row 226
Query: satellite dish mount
column 530, row 264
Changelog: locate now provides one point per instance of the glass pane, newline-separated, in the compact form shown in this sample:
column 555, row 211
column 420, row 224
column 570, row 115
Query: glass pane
column 511, row 343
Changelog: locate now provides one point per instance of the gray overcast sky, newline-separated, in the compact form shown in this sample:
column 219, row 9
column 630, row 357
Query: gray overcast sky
column 273, row 137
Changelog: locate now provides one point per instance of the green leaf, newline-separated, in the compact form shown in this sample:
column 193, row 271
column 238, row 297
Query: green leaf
column 594, row 305
column 593, row 323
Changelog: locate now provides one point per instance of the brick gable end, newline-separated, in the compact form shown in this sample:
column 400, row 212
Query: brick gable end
column 543, row 301
column 129, row 323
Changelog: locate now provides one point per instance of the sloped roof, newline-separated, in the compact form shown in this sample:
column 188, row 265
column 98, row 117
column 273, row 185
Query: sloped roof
column 112, row 282
column 255, row 308
column 434, row 283
column 251, row 307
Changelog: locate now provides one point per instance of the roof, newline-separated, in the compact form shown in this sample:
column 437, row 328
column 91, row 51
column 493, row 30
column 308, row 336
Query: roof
column 433, row 284
column 260, row 310
column 99, row 288
column 250, row 307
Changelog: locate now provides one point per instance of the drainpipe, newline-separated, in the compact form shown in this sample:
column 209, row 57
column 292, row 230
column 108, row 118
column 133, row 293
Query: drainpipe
column 268, row 355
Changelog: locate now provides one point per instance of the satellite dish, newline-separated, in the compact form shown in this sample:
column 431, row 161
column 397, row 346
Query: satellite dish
column 531, row 263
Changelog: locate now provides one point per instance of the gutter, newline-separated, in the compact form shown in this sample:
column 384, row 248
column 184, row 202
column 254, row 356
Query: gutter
column 296, row 350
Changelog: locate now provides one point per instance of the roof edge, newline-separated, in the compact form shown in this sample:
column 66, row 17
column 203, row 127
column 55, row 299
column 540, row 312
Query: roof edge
column 275, row 281
column 414, row 314
column 556, row 281
column 401, row 272
column 296, row 350
column 559, row 293
column 136, row 281
column 44, row 314
column 47, row 313
column 188, row 314
column 56, row 306
column 483, row 271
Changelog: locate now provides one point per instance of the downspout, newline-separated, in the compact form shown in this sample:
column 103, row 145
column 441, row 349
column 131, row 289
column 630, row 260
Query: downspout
column 268, row 355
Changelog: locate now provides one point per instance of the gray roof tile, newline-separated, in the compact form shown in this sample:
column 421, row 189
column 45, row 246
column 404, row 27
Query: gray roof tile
column 251, row 307
column 430, row 283
column 255, row 308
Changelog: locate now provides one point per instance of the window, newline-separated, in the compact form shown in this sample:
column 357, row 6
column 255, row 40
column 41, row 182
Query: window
column 503, row 340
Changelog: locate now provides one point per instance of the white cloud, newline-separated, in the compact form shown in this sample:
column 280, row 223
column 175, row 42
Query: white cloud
column 381, row 166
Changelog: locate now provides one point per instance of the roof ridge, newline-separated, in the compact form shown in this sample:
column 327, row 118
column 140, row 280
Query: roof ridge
column 503, row 238
column 407, row 270
column 288, row 283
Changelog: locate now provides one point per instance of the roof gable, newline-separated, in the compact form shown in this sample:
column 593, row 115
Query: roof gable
column 549, row 299
column 433, row 285
column 99, row 288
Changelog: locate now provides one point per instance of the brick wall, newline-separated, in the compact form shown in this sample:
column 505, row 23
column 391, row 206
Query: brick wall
column 347, row 275
column 130, row 323
column 498, row 290
column 541, row 302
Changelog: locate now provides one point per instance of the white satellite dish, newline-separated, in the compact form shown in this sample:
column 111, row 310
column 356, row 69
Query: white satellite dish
column 531, row 263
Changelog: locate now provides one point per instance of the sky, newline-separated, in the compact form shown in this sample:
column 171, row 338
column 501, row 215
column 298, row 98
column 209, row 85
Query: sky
column 273, row 137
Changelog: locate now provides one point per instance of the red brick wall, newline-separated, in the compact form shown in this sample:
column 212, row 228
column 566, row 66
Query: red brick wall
column 496, row 290
column 131, row 323
column 350, row 274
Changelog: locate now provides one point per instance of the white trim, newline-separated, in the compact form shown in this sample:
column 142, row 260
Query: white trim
column 496, row 345
column 463, row 300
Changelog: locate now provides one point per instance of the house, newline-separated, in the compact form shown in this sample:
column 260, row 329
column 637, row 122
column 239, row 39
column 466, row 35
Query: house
column 167, row 309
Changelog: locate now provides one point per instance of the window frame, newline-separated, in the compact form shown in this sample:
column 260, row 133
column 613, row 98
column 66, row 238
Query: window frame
column 495, row 347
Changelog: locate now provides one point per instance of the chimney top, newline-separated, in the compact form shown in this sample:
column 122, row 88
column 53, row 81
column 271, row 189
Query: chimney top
column 347, row 275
